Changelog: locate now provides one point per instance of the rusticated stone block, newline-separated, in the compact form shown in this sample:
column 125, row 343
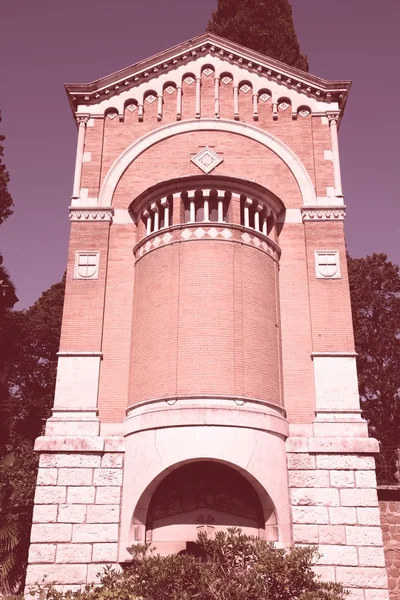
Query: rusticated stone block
column 301, row 461
column 339, row 515
column 314, row 497
column 108, row 495
column 368, row 516
column 338, row 555
column 313, row 515
column 74, row 553
column 305, row 534
column 344, row 461
column 355, row 593
column 81, row 495
column 362, row 577
column 377, row 595
column 76, row 444
column 103, row 513
column 112, row 461
column 107, row 477
column 47, row 476
column 308, row 478
column 358, row 497
column 61, row 573
column 94, row 572
column 87, row 532
column 42, row 553
column 326, row 573
column 371, row 557
column 70, row 460
column 106, row 553
column 114, row 444
column 45, row 513
column 365, row 479
column 364, row 536
column 342, row 479
column 51, row 532
column 71, row 513
column 50, row 494
column 332, row 534
column 75, row 476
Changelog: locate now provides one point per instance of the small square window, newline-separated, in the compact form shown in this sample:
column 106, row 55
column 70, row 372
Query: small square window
column 86, row 265
column 327, row 264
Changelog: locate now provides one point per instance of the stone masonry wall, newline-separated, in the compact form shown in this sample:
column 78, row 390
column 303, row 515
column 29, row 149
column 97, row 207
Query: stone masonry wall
column 76, row 515
column 335, row 505
column 390, row 519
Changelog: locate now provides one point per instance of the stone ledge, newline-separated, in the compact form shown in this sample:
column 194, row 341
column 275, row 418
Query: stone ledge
column 334, row 445
column 69, row 444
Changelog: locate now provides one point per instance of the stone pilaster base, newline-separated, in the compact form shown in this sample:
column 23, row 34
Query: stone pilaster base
column 77, row 509
column 335, row 505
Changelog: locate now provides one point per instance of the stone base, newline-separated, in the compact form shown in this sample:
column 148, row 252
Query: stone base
column 77, row 509
column 335, row 505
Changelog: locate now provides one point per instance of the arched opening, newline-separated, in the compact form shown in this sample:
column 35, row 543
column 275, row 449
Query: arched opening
column 202, row 496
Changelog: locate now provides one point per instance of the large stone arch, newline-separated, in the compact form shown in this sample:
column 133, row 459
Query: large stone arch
column 261, row 502
column 294, row 164
column 257, row 434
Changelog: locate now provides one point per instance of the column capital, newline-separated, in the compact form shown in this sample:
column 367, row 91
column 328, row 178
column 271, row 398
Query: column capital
column 333, row 117
column 82, row 119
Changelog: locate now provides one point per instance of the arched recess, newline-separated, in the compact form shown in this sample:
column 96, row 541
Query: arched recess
column 120, row 165
column 201, row 495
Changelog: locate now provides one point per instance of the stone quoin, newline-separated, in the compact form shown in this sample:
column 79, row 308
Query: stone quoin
column 207, row 373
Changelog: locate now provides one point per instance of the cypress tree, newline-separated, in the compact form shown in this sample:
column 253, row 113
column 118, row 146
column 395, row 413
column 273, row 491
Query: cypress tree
column 262, row 25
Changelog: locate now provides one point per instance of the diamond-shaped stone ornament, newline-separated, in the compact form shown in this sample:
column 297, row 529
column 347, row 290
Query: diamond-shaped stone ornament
column 207, row 160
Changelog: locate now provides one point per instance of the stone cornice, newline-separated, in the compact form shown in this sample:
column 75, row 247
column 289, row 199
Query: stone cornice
column 323, row 213
column 91, row 213
column 211, row 44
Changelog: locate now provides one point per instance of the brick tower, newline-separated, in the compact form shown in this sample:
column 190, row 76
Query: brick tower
column 206, row 373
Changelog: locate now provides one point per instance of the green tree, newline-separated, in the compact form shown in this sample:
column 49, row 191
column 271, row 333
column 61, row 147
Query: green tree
column 232, row 566
column 6, row 202
column 375, row 300
column 262, row 25
column 26, row 397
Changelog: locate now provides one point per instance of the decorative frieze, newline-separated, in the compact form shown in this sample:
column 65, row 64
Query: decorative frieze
column 323, row 213
column 90, row 213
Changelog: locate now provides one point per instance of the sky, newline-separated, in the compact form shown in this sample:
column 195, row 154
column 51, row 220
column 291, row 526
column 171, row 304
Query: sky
column 46, row 43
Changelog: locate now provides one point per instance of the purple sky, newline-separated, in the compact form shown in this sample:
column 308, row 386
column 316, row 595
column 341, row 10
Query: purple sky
column 46, row 43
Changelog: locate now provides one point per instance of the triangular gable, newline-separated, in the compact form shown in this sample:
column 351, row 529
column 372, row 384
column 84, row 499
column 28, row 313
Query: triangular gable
column 151, row 77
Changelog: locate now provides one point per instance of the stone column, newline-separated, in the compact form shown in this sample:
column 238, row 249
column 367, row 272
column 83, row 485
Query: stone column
column 81, row 120
column 333, row 120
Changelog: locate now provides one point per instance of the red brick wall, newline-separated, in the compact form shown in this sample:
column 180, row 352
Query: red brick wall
column 315, row 313
column 82, row 324
column 390, row 521
column 205, row 322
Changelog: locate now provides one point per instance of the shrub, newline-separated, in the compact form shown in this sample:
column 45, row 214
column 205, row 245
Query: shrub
column 232, row 566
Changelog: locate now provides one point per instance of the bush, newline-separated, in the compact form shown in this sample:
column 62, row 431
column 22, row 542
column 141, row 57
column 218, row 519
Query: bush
column 232, row 566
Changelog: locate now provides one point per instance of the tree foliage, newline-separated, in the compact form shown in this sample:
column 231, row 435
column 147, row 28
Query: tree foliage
column 375, row 299
column 28, row 364
column 232, row 566
column 6, row 202
column 262, row 25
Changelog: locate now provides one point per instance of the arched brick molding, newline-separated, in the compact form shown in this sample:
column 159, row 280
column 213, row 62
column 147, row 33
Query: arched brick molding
column 274, row 144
